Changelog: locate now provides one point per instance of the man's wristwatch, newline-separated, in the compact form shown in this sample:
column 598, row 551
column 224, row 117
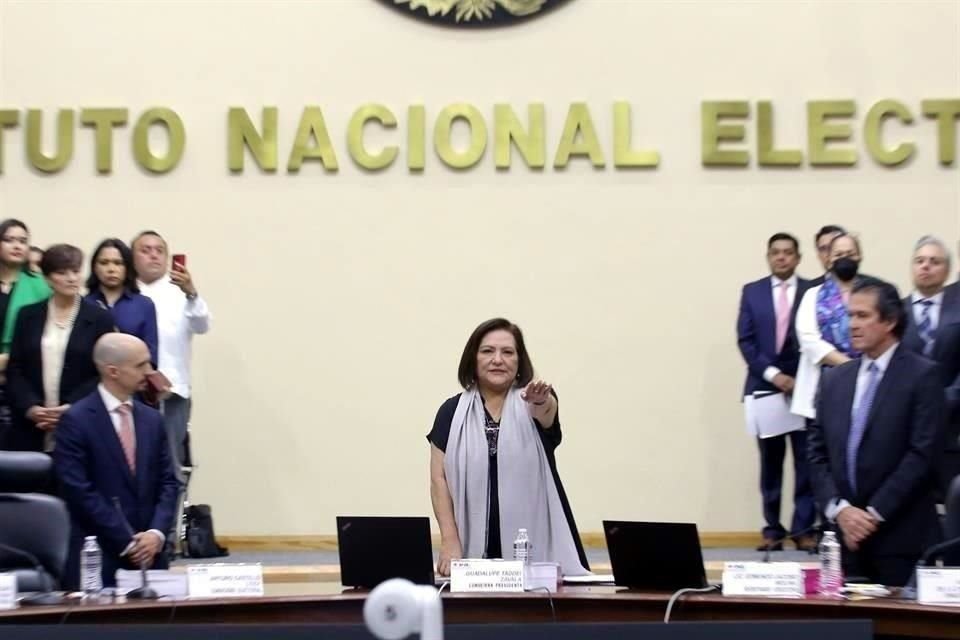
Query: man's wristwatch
column 192, row 296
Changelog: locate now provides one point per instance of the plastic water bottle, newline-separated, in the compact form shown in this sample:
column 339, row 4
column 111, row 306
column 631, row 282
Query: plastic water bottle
column 521, row 547
column 91, row 558
column 831, row 571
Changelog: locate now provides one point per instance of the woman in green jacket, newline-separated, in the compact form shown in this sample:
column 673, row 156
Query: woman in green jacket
column 19, row 287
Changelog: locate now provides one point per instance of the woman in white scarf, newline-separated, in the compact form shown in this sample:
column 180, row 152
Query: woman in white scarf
column 492, row 464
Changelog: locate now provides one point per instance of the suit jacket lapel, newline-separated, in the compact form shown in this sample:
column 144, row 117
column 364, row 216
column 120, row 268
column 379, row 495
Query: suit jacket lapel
column 883, row 389
column 110, row 439
column 80, row 327
column 911, row 339
column 141, row 431
column 769, row 311
column 949, row 312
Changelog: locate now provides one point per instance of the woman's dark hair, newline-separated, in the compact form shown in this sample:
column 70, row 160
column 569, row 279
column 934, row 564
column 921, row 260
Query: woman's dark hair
column 13, row 223
column 467, row 373
column 130, row 275
column 60, row 257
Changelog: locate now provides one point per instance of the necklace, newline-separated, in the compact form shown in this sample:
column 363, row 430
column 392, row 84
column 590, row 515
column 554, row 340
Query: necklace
column 69, row 319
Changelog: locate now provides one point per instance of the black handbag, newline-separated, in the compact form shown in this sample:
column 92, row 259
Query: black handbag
column 201, row 541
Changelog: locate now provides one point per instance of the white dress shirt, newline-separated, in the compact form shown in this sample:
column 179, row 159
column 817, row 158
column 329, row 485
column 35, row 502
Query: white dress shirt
column 112, row 403
column 178, row 319
column 935, row 308
column 863, row 377
column 776, row 283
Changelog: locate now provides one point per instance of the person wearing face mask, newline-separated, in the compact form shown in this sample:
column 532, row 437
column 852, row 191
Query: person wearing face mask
column 822, row 324
column 492, row 465
column 112, row 285
column 51, row 353
column 19, row 287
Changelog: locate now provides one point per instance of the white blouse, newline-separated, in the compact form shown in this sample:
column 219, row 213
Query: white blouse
column 53, row 349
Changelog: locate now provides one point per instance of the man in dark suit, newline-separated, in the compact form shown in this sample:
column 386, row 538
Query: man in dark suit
column 114, row 465
column 933, row 330
column 823, row 240
column 872, row 447
column 768, row 343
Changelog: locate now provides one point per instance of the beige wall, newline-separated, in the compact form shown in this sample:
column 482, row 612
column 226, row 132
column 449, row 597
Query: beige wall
column 342, row 302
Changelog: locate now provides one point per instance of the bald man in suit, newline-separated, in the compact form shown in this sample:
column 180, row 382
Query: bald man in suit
column 114, row 465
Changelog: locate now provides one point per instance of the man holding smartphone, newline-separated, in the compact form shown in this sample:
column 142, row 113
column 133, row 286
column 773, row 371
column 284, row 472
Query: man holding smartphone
column 181, row 313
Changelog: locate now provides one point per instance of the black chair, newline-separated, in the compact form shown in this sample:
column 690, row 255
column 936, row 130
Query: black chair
column 34, row 526
column 951, row 522
column 25, row 472
column 34, row 534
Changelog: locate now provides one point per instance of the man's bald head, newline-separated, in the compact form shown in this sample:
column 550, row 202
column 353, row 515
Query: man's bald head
column 116, row 349
column 123, row 362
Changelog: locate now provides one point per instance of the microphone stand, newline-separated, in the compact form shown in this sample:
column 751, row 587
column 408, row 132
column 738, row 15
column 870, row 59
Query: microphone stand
column 802, row 532
column 143, row 592
column 47, row 596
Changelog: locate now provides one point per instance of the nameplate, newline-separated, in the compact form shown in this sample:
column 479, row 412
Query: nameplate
column 766, row 579
column 503, row 576
column 8, row 591
column 225, row 580
column 938, row 585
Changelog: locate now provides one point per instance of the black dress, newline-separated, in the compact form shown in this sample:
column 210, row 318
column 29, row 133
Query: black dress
column 551, row 440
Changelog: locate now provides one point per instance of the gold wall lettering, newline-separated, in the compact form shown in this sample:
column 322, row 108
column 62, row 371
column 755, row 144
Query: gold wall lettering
column 176, row 140
column 733, row 133
column 478, row 136
column 359, row 153
column 830, row 133
column 509, row 132
column 579, row 138
column 242, row 134
column 103, row 121
column 946, row 112
column 64, row 141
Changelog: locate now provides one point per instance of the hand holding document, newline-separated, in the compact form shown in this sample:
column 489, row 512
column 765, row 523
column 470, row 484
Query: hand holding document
column 768, row 415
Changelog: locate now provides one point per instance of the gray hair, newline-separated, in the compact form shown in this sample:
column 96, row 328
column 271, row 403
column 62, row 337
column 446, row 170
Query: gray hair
column 934, row 241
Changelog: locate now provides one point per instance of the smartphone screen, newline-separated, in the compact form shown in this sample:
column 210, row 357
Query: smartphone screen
column 180, row 259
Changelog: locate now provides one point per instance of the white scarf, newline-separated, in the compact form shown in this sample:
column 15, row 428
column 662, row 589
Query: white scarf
column 527, row 492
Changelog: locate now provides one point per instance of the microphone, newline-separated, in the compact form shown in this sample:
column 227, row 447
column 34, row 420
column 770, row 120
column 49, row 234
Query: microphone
column 802, row 532
column 909, row 591
column 45, row 597
column 937, row 550
column 143, row 592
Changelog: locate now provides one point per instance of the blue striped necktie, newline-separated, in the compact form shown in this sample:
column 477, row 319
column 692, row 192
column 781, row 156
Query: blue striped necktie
column 859, row 424
column 925, row 327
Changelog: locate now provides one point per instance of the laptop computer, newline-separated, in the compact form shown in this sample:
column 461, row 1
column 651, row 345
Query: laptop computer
column 375, row 549
column 655, row 555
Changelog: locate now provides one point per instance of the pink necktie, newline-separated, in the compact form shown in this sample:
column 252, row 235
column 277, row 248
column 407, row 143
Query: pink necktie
column 126, row 437
column 783, row 316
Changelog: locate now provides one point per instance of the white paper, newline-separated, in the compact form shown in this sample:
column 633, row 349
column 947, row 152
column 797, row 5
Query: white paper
column 8, row 591
column 938, row 585
column 592, row 578
column 225, row 580
column 769, row 416
column 771, row 579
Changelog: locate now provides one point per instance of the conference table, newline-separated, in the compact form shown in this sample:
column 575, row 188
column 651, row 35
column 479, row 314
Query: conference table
column 330, row 603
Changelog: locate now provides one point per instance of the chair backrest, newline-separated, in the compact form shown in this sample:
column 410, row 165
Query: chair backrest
column 38, row 524
column 951, row 522
column 25, row 471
